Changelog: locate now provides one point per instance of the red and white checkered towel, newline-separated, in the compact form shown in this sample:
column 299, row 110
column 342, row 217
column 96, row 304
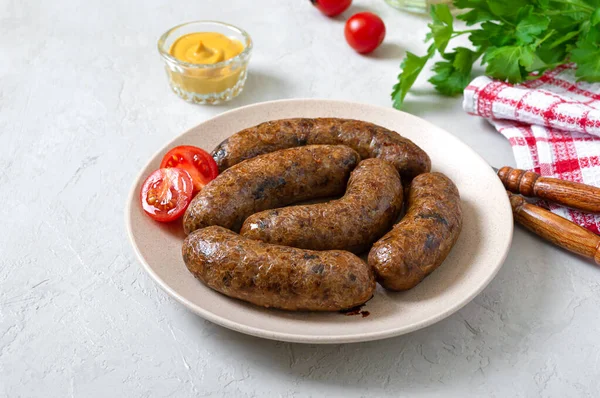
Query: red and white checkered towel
column 552, row 124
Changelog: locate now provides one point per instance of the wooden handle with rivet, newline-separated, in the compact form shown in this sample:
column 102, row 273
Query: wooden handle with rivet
column 572, row 194
column 555, row 229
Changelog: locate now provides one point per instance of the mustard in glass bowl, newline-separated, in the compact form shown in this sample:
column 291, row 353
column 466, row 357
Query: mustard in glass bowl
column 206, row 61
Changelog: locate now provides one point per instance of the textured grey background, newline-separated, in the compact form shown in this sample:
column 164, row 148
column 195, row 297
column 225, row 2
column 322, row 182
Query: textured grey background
column 83, row 104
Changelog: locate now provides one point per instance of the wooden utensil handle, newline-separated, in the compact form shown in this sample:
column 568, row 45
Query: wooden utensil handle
column 556, row 229
column 572, row 194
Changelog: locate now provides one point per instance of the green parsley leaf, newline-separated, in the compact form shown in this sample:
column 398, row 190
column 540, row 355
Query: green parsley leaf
column 492, row 35
column 527, row 58
column 453, row 75
column 505, row 8
column 574, row 4
column 537, row 64
column 411, row 66
column 477, row 4
column 596, row 17
column 442, row 27
column 447, row 79
column 551, row 54
column 590, row 33
column 587, row 57
column 440, row 13
column 530, row 27
column 464, row 59
column 506, row 63
column 475, row 16
column 565, row 23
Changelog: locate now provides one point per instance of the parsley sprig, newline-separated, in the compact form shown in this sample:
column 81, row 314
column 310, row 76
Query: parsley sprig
column 513, row 39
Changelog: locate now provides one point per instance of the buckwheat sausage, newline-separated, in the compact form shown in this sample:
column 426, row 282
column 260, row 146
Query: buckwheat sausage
column 368, row 210
column 368, row 139
column 271, row 180
column 420, row 242
column 277, row 276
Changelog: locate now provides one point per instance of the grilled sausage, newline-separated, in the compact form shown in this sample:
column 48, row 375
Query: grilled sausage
column 271, row 180
column 368, row 139
column 277, row 276
column 368, row 210
column 419, row 243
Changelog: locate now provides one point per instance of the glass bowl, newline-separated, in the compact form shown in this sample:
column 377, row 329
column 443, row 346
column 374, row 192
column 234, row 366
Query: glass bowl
column 206, row 83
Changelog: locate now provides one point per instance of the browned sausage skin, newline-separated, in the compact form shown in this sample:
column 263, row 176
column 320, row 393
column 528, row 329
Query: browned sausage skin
column 268, row 181
column 277, row 276
column 419, row 243
column 369, row 208
column 368, row 139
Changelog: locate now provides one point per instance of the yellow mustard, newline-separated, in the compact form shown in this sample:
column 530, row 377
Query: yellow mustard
column 206, row 48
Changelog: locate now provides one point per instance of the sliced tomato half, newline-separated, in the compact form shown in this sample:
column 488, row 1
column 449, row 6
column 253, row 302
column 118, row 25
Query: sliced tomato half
column 166, row 194
column 196, row 161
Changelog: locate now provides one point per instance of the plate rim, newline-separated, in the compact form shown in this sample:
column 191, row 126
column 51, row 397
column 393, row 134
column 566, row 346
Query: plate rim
column 293, row 337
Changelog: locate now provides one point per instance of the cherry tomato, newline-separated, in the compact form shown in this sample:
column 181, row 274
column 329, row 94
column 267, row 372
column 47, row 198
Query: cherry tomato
column 364, row 32
column 331, row 8
column 196, row 161
column 166, row 194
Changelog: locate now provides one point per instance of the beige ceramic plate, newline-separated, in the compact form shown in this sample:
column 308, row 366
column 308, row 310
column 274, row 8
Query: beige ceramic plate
column 474, row 261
